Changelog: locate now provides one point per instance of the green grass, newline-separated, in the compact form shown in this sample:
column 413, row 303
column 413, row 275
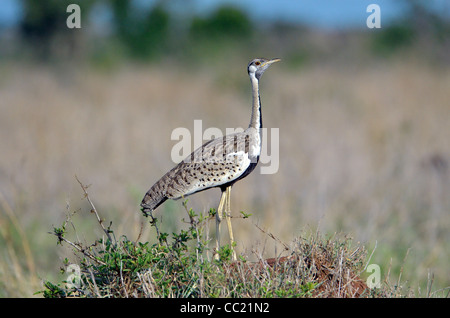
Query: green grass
column 181, row 265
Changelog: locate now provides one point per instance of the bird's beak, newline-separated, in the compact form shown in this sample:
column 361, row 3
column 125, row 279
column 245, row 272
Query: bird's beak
column 271, row 61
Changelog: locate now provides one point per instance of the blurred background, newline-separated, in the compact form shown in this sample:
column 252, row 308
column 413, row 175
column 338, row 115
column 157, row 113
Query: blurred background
column 363, row 117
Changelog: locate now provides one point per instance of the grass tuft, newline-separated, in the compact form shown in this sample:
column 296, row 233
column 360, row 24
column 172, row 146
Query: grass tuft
column 180, row 265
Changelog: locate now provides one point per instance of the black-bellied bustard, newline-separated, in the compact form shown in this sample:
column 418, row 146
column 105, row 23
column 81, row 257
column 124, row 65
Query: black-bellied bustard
column 218, row 163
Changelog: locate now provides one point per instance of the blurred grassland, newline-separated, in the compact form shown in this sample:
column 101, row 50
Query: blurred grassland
column 363, row 122
column 363, row 150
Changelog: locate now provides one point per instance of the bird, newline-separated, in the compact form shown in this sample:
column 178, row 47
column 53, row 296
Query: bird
column 219, row 163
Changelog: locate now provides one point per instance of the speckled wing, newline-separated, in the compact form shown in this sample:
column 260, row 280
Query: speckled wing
column 218, row 162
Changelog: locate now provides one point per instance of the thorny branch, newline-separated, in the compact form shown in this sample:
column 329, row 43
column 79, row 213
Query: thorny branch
column 94, row 210
column 286, row 247
column 78, row 247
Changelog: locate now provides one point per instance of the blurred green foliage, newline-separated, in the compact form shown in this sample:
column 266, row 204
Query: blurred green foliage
column 418, row 26
column 43, row 21
column 146, row 33
column 142, row 33
column 226, row 22
column 136, row 32
column 217, row 35
column 393, row 38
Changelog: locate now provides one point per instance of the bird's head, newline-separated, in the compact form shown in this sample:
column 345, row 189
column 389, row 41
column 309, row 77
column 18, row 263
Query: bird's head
column 257, row 67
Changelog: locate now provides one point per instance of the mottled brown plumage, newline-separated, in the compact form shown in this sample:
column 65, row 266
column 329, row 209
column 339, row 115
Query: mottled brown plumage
column 218, row 163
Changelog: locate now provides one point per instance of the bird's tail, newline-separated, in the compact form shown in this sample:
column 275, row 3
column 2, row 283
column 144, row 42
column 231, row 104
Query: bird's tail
column 154, row 197
column 151, row 202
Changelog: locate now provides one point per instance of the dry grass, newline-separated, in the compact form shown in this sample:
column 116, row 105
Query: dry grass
column 181, row 266
column 315, row 268
column 363, row 150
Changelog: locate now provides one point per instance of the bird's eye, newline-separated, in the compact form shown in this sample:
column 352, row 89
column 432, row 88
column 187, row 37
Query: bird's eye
column 257, row 63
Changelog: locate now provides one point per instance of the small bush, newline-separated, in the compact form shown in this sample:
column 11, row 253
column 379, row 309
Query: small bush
column 179, row 265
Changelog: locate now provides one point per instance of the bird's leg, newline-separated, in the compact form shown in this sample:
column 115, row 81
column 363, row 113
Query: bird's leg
column 228, row 216
column 219, row 215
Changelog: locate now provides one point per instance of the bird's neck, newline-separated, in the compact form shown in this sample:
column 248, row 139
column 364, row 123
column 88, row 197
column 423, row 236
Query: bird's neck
column 256, row 119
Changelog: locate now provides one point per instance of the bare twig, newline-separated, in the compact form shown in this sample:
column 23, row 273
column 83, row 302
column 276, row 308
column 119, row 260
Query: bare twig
column 94, row 283
column 94, row 210
column 286, row 247
column 153, row 222
column 401, row 268
column 78, row 247
column 148, row 283
column 140, row 232
column 370, row 257
column 121, row 280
